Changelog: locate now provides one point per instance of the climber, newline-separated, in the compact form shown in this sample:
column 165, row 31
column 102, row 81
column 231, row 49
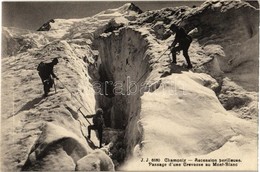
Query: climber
column 184, row 41
column 98, row 124
column 45, row 71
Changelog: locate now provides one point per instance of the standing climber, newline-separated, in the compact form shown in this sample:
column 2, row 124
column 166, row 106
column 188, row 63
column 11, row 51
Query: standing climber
column 184, row 41
column 47, row 75
column 98, row 124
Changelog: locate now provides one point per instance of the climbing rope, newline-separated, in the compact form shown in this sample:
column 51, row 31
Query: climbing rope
column 75, row 98
column 80, row 122
column 148, row 70
column 83, row 115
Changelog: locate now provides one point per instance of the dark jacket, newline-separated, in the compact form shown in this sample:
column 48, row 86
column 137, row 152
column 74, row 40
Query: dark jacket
column 47, row 71
column 98, row 120
column 182, row 38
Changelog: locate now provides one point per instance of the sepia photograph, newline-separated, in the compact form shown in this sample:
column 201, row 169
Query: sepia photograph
column 130, row 85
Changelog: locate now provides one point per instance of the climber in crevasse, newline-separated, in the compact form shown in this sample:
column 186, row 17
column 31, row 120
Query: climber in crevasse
column 45, row 71
column 184, row 41
column 98, row 124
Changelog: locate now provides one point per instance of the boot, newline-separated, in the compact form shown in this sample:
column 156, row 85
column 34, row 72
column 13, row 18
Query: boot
column 189, row 66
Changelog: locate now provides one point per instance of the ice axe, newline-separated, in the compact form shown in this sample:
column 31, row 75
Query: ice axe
column 54, row 85
column 84, row 115
column 163, row 54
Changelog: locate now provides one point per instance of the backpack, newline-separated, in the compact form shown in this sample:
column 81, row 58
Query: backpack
column 41, row 67
column 185, row 38
column 98, row 121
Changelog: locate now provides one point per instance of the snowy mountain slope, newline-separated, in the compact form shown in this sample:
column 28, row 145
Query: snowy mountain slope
column 198, row 125
column 214, row 27
column 180, row 102
column 19, row 40
column 32, row 113
column 163, row 110
column 240, row 52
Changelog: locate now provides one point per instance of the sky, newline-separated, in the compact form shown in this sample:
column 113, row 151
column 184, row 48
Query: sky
column 31, row 15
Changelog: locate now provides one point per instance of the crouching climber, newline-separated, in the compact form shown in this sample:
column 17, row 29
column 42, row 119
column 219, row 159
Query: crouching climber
column 98, row 124
column 184, row 41
column 45, row 71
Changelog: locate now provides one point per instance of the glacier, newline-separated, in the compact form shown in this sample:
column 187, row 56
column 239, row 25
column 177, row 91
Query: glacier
column 118, row 60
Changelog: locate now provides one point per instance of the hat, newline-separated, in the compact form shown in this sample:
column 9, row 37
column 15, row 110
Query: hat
column 55, row 60
column 99, row 111
column 173, row 27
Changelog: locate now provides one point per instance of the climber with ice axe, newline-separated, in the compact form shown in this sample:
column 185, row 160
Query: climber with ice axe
column 98, row 124
column 46, row 74
column 184, row 41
